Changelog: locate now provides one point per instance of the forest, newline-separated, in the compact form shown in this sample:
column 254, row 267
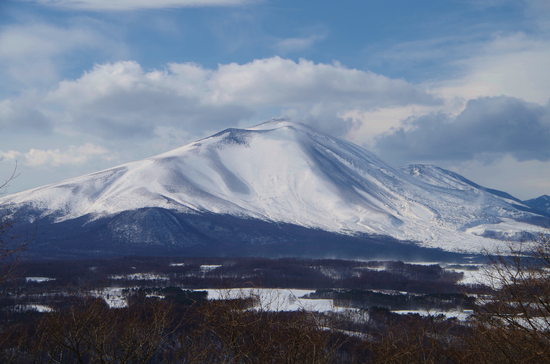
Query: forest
column 159, row 310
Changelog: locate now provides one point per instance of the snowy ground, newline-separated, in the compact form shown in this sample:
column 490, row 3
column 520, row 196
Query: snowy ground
column 39, row 279
column 461, row 315
column 141, row 276
column 474, row 273
column 276, row 299
column 114, row 297
column 34, row 307
column 271, row 299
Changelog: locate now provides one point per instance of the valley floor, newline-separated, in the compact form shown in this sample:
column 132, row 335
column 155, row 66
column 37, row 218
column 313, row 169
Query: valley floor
column 252, row 310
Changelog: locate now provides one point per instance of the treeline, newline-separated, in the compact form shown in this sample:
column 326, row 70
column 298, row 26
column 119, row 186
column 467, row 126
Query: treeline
column 152, row 330
column 170, row 331
column 365, row 299
column 197, row 273
column 175, row 323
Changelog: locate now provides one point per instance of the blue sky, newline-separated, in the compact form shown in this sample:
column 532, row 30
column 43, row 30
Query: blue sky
column 464, row 84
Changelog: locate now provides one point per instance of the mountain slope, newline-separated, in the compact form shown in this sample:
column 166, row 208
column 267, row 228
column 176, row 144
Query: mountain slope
column 278, row 173
column 541, row 203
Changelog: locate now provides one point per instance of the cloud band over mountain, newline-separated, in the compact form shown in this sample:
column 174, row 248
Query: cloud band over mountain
column 488, row 128
column 121, row 100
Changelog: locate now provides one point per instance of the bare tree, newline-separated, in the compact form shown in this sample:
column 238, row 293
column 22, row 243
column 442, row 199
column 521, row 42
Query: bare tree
column 12, row 245
column 513, row 325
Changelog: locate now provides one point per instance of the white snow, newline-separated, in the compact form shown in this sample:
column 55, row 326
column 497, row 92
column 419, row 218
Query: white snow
column 276, row 299
column 270, row 299
column 114, row 297
column 209, row 267
column 461, row 315
column 38, row 279
column 141, row 276
column 34, row 307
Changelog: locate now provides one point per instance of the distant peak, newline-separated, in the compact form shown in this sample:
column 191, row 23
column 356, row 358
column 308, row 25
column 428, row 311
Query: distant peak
column 540, row 198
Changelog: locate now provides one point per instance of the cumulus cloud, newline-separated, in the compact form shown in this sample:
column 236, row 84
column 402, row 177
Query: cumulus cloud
column 488, row 128
column 10, row 154
column 72, row 156
column 122, row 101
column 283, row 81
column 119, row 5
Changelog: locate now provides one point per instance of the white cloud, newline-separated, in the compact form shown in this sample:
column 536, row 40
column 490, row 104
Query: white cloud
column 368, row 125
column 119, row 5
column 10, row 154
column 121, row 100
column 285, row 82
column 487, row 132
column 36, row 157
column 513, row 65
column 72, row 156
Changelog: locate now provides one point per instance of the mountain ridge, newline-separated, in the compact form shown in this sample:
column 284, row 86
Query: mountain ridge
column 541, row 203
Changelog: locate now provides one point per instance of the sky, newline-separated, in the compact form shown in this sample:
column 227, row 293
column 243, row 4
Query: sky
column 463, row 84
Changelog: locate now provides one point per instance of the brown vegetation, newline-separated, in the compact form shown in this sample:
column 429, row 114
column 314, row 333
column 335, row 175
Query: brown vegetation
column 510, row 323
column 12, row 245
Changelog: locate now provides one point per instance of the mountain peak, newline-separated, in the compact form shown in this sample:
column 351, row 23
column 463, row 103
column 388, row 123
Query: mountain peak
column 273, row 124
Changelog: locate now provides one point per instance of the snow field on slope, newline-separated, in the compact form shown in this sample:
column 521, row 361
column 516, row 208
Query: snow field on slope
column 288, row 187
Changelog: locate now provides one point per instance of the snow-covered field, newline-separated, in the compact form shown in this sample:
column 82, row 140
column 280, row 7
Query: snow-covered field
column 39, row 279
column 276, row 299
column 270, row 299
column 114, row 297
column 461, row 315
column 141, row 276
column 34, row 307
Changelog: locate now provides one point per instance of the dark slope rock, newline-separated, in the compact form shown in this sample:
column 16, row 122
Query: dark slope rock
column 161, row 232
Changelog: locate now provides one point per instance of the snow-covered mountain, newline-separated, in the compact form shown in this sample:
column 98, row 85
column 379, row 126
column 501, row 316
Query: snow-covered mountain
column 274, row 174
column 541, row 203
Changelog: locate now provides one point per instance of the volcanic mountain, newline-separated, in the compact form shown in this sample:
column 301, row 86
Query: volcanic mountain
column 276, row 189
